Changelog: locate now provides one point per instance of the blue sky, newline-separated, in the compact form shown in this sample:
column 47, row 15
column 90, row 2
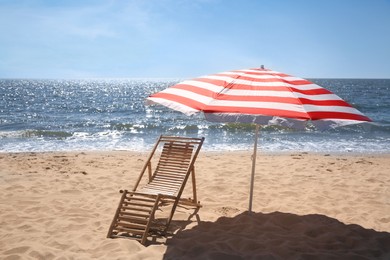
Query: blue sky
column 190, row 38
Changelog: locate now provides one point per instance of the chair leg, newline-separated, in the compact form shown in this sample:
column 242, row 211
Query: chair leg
column 151, row 218
column 116, row 213
column 171, row 215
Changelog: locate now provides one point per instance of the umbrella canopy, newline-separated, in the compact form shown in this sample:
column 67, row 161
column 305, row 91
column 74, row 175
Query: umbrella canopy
column 261, row 96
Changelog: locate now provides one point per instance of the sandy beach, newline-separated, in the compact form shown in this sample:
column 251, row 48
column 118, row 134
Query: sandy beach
column 306, row 206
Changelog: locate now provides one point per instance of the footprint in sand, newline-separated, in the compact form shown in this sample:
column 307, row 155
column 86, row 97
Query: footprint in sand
column 59, row 245
column 37, row 255
column 17, row 250
column 73, row 192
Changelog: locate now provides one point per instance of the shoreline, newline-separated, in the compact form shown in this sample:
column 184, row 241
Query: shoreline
column 241, row 151
column 55, row 204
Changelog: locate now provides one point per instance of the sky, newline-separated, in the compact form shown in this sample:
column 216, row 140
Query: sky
column 191, row 38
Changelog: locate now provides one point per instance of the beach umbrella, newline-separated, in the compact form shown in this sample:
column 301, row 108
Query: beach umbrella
column 260, row 96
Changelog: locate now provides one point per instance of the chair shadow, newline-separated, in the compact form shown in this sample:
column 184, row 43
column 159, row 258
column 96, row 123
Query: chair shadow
column 278, row 235
column 160, row 237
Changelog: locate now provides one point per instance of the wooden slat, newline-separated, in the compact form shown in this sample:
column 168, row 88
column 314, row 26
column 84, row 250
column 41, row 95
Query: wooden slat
column 135, row 205
column 142, row 195
column 170, row 165
column 173, row 170
column 129, row 230
column 131, row 208
column 175, row 167
column 159, row 191
column 173, row 161
column 174, row 158
column 141, row 199
column 161, row 188
column 181, row 152
column 180, row 165
column 138, row 204
column 170, row 175
column 176, row 153
column 176, row 148
column 131, row 225
column 177, row 163
column 123, row 236
column 178, row 144
column 164, row 179
column 164, row 184
column 133, row 219
column 126, row 213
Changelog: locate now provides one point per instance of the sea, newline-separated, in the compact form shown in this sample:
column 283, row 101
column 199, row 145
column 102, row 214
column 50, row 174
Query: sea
column 46, row 115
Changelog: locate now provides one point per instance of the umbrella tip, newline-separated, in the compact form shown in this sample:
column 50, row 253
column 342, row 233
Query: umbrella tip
column 262, row 67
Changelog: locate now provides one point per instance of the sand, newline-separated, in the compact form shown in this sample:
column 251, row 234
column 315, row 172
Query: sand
column 306, row 206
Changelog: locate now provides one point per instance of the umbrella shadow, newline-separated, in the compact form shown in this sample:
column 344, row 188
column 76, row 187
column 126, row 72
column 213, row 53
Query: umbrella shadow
column 278, row 235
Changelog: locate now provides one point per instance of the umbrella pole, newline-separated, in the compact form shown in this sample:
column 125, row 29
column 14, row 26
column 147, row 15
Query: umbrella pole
column 253, row 168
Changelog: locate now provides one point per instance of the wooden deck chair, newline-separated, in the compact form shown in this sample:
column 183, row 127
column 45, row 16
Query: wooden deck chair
column 165, row 183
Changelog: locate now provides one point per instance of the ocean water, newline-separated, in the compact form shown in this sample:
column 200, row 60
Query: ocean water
column 110, row 114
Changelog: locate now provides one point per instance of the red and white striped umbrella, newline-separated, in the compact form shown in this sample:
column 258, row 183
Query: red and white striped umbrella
column 260, row 96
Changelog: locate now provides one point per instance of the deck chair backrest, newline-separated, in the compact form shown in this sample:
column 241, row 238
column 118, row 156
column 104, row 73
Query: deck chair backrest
column 172, row 168
column 176, row 161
